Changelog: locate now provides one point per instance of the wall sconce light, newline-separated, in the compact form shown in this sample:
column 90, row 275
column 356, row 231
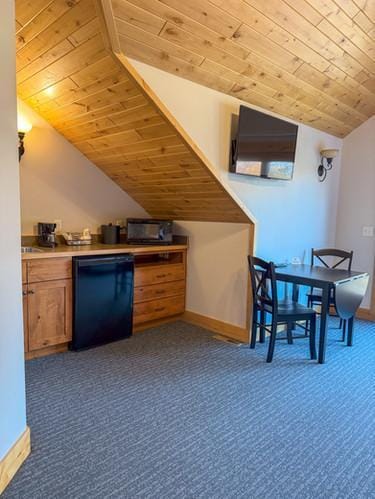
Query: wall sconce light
column 326, row 160
column 24, row 127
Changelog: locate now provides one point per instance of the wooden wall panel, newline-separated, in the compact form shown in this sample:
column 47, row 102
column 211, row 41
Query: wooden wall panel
column 309, row 60
column 68, row 73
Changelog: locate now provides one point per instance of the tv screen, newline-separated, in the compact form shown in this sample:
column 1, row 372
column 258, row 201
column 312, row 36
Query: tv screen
column 264, row 146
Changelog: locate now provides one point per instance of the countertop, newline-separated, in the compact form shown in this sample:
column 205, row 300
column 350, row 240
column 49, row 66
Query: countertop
column 100, row 249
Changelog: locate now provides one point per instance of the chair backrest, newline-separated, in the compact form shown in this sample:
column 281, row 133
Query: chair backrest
column 263, row 283
column 342, row 257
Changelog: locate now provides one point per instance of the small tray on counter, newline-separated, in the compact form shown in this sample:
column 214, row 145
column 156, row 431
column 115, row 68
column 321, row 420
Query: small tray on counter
column 77, row 239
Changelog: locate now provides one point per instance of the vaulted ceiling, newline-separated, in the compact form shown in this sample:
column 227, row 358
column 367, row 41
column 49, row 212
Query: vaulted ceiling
column 67, row 71
column 310, row 60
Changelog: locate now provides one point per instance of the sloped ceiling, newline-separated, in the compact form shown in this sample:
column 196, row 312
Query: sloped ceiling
column 67, row 71
column 310, row 60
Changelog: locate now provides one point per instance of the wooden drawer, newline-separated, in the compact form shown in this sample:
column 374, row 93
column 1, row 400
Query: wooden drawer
column 156, row 309
column 144, row 276
column 156, row 291
column 49, row 269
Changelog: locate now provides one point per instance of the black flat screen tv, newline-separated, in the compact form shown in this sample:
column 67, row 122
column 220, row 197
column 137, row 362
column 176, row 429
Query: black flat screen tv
column 264, row 146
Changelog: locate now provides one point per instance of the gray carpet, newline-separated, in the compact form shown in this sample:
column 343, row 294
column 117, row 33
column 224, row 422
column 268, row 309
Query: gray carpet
column 174, row 413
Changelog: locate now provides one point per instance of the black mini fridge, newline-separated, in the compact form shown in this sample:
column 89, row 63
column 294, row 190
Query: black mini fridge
column 102, row 299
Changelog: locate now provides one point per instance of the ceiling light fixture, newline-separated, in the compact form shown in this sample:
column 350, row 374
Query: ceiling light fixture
column 326, row 160
column 50, row 91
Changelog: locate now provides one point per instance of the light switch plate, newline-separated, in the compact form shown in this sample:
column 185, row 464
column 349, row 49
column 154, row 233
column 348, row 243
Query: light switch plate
column 368, row 231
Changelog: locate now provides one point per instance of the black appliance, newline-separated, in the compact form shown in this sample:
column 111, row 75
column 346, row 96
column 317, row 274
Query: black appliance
column 264, row 146
column 46, row 234
column 110, row 234
column 149, row 231
column 102, row 299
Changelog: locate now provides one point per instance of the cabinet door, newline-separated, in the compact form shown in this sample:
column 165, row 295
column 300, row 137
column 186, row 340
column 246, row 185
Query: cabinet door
column 49, row 313
column 25, row 321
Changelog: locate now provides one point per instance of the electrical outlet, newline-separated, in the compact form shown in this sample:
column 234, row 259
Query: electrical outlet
column 296, row 260
column 58, row 225
column 368, row 231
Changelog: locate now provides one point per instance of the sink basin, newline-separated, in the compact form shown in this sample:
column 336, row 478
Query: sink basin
column 30, row 249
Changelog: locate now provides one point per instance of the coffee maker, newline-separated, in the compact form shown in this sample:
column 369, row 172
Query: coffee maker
column 46, row 235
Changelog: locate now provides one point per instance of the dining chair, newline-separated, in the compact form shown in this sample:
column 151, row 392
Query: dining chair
column 265, row 301
column 330, row 258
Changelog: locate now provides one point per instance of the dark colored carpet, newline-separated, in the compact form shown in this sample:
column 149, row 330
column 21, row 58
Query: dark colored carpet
column 174, row 413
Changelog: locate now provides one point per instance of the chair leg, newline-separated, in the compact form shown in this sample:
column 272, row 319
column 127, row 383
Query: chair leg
column 271, row 346
column 254, row 329
column 343, row 330
column 313, row 338
column 306, row 328
column 350, row 324
column 262, row 334
column 289, row 333
column 341, row 321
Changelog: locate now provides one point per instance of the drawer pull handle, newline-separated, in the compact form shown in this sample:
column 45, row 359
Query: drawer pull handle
column 31, row 292
column 160, row 309
column 161, row 276
column 160, row 292
column 24, row 293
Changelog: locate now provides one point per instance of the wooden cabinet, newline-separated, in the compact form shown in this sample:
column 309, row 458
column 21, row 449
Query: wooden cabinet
column 159, row 288
column 159, row 294
column 24, row 272
column 49, row 313
column 47, row 305
column 25, row 318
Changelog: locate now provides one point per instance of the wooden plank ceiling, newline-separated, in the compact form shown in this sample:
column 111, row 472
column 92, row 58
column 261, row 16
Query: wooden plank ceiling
column 67, row 72
column 310, row 60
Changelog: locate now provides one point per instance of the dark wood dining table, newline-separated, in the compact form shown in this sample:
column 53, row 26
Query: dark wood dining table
column 349, row 288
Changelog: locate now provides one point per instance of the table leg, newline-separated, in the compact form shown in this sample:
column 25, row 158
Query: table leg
column 289, row 333
column 295, row 294
column 350, row 331
column 323, row 325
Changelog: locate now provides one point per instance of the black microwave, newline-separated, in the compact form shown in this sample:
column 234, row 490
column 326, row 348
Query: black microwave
column 149, row 231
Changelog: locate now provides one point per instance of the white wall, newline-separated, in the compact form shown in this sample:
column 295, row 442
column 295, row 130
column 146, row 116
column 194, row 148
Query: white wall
column 291, row 217
column 357, row 197
column 12, row 376
column 60, row 183
column 217, row 277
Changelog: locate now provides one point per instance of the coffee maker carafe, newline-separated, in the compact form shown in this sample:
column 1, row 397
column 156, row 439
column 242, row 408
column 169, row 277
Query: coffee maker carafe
column 46, row 235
